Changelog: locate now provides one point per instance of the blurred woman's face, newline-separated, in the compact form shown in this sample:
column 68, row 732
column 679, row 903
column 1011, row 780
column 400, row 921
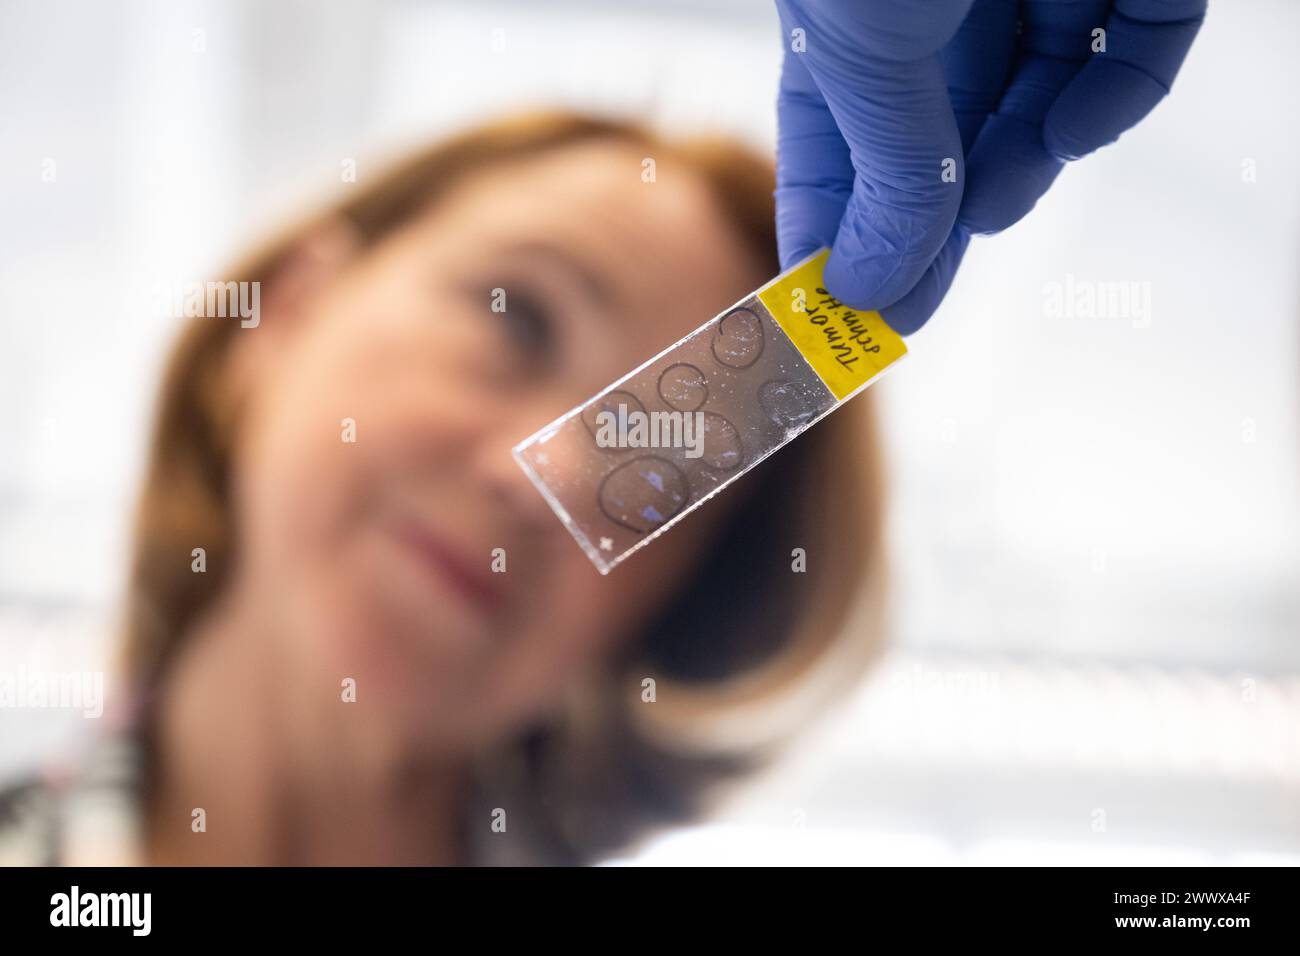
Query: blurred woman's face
column 374, row 557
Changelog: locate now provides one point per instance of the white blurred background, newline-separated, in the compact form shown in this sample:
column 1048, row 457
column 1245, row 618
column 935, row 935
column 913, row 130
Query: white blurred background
column 1096, row 522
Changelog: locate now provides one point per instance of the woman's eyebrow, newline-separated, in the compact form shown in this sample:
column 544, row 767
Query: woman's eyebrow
column 554, row 256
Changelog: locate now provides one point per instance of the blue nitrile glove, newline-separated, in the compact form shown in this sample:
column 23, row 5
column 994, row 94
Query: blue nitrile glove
column 889, row 95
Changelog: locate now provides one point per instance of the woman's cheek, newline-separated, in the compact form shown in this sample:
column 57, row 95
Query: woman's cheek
column 300, row 455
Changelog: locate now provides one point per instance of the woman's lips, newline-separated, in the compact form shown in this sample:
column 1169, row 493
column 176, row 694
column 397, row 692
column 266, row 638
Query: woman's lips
column 471, row 579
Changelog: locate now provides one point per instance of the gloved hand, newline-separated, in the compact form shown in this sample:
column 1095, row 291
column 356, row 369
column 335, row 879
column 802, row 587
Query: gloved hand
column 880, row 98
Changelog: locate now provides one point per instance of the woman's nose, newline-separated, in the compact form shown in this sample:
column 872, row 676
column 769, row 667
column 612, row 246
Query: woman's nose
column 505, row 481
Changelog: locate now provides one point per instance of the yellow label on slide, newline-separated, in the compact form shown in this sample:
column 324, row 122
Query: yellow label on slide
column 846, row 347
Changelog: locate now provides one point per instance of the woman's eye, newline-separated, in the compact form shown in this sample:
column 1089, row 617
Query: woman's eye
column 526, row 323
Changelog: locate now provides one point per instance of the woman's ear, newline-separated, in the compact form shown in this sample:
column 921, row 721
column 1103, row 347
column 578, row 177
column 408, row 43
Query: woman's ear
column 306, row 269
column 287, row 294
